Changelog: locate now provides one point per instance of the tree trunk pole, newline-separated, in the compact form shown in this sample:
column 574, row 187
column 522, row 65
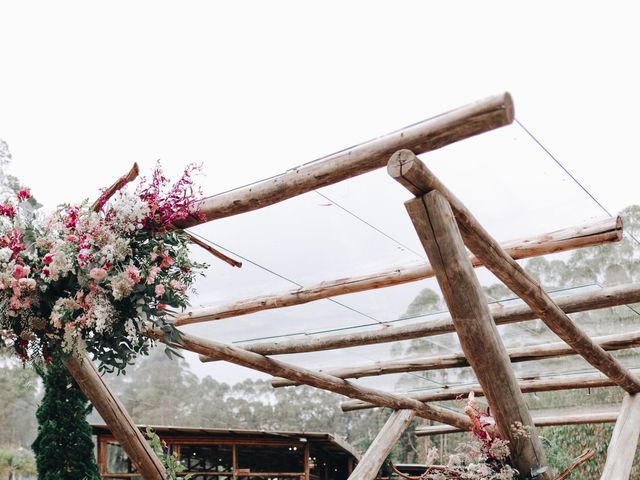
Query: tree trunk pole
column 376, row 454
column 545, row 421
column 624, row 441
column 565, row 382
column 116, row 417
column 481, row 343
column 407, row 169
column 619, row 341
column 453, row 126
column 279, row 368
column 575, row 302
column 600, row 232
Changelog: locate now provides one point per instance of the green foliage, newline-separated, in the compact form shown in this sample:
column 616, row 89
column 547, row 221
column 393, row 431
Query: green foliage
column 169, row 460
column 16, row 461
column 563, row 444
column 63, row 447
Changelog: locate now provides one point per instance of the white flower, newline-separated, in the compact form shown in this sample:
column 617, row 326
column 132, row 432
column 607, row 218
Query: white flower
column 132, row 334
column 499, row 449
column 506, row 473
column 5, row 254
column 121, row 285
column 101, row 315
column 128, row 211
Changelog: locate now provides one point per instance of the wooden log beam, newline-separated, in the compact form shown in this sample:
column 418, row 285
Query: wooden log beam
column 407, row 169
column 376, row 454
column 561, row 382
column 620, row 341
column 431, row 134
column 546, row 421
column 624, row 441
column 436, row 227
column 116, row 417
column 590, row 234
column 571, row 303
column 279, row 368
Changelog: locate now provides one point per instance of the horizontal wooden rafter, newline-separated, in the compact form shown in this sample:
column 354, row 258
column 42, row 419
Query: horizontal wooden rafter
column 586, row 235
column 618, row 341
column 571, row 303
column 532, row 385
column 439, row 131
column 546, row 421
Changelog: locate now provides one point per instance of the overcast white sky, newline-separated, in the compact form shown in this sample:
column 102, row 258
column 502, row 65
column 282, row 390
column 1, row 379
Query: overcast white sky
column 251, row 88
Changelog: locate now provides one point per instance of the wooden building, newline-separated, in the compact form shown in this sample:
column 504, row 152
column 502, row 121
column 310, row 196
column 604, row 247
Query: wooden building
column 226, row 454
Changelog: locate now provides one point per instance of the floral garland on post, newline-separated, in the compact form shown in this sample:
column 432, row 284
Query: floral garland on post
column 485, row 457
column 96, row 278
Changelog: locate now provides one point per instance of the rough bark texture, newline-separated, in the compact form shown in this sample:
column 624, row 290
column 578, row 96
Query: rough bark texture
column 436, row 132
column 382, row 445
column 546, row 421
column 116, row 417
column 594, row 233
column 274, row 367
column 567, row 382
column 624, row 441
column 405, row 167
column 620, row 341
column 479, row 338
column 576, row 302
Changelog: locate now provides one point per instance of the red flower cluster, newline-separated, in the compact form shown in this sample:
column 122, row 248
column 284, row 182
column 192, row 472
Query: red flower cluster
column 168, row 208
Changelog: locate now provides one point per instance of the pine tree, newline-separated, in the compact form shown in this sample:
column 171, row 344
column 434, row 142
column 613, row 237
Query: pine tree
column 64, row 448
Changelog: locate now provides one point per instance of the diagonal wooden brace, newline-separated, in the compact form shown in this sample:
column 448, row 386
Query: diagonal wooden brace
column 382, row 445
column 116, row 417
column 407, row 169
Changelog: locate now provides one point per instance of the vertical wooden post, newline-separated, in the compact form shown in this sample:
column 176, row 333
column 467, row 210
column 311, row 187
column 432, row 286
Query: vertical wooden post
column 481, row 343
column 307, row 452
column 377, row 452
column 349, row 465
column 624, row 440
column 116, row 417
column 234, row 460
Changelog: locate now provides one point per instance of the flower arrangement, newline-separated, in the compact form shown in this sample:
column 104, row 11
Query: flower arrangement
column 96, row 277
column 484, row 457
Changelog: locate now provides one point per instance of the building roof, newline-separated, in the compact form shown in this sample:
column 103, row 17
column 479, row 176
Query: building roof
column 327, row 441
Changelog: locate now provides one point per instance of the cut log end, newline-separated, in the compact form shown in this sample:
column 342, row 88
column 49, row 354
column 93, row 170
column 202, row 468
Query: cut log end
column 619, row 228
column 509, row 107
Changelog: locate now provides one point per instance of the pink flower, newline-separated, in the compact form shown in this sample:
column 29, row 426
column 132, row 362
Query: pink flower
column 133, row 273
column 48, row 258
column 71, row 238
column 55, row 320
column 27, row 283
column 177, row 286
column 20, row 271
column 166, row 262
column 84, row 256
column 160, row 290
column 14, row 302
column 24, row 194
column 7, row 210
column 98, row 274
column 46, row 272
column 153, row 273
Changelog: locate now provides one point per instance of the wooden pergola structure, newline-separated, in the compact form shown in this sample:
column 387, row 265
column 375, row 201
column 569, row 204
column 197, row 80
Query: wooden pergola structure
column 446, row 229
